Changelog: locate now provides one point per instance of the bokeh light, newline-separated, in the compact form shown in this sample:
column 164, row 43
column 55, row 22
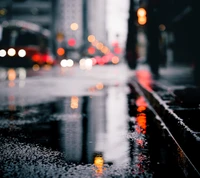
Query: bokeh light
column 22, row 53
column 11, row 52
column 74, row 26
column 91, row 38
column 2, row 53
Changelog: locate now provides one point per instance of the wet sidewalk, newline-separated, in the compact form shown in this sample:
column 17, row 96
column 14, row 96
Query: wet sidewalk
column 176, row 100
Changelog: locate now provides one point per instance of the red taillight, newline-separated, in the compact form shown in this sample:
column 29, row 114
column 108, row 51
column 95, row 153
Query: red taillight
column 36, row 57
column 47, row 59
column 42, row 58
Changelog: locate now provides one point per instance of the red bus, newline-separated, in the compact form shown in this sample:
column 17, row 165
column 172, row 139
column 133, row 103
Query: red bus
column 23, row 44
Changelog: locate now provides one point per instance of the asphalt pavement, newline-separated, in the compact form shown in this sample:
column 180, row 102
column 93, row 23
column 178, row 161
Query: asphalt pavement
column 35, row 108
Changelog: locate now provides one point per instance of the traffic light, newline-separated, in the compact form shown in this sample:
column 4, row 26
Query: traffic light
column 142, row 16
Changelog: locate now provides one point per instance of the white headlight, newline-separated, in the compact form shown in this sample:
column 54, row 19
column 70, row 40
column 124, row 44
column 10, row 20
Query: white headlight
column 11, row 52
column 2, row 53
column 70, row 62
column 63, row 63
column 22, row 53
column 82, row 64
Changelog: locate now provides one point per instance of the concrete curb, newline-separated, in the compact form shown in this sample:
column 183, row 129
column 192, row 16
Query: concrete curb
column 184, row 137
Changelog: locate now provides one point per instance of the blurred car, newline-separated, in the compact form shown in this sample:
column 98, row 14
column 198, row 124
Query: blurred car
column 23, row 45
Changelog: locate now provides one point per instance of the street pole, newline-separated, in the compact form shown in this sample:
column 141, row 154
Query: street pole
column 9, row 10
column 131, row 41
column 85, row 26
column 53, row 31
column 153, row 36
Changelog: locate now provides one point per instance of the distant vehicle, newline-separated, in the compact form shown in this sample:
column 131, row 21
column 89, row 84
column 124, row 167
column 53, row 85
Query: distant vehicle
column 24, row 44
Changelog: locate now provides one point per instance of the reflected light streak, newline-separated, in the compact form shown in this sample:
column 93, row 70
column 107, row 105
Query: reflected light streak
column 182, row 158
column 140, row 142
column 145, row 79
column 11, row 84
column 141, row 121
column 22, row 73
column 36, row 67
column 3, row 74
column 92, row 89
column 11, row 74
column 22, row 84
column 141, row 101
column 98, row 162
column 63, row 70
column 11, row 106
column 47, row 67
column 99, row 86
column 141, row 116
column 141, row 108
column 74, row 102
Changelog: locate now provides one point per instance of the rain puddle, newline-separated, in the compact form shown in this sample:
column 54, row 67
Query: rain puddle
column 110, row 135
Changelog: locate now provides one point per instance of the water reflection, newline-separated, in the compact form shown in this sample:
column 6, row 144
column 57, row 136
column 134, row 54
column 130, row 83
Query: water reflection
column 99, row 164
column 140, row 157
column 145, row 78
column 82, row 129
column 98, row 130
column 77, row 125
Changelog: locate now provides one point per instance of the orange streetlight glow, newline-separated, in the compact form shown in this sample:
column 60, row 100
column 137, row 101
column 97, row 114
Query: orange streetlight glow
column 60, row 51
column 91, row 38
column 142, row 19
column 74, row 26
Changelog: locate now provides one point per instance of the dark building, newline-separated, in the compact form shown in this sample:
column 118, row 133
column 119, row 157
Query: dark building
column 35, row 11
column 40, row 12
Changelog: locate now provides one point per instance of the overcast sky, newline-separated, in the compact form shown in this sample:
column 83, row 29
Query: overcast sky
column 117, row 12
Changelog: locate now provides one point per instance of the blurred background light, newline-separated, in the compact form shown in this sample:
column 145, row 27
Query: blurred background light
column 63, row 63
column 11, row 74
column 74, row 26
column 71, row 42
column 70, row 63
column 36, row 67
column 60, row 51
column 91, row 38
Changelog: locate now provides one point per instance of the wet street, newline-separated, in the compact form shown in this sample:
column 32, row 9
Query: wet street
column 99, row 89
column 68, row 122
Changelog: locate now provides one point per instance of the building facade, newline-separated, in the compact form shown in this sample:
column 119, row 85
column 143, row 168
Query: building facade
column 76, row 20
column 35, row 11
column 97, row 15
